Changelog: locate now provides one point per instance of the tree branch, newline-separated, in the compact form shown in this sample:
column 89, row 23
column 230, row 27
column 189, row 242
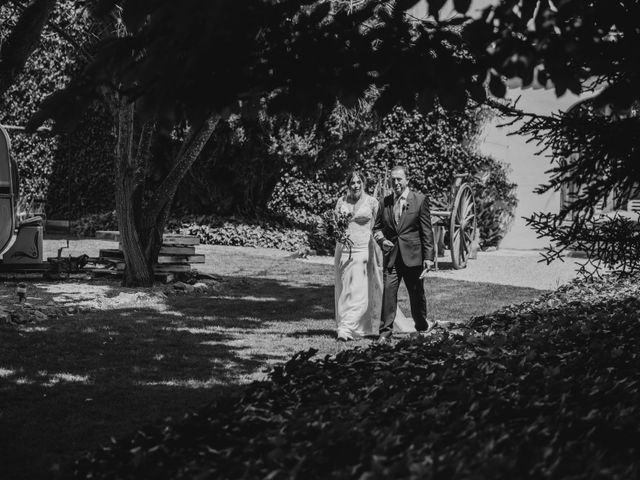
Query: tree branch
column 23, row 40
column 191, row 148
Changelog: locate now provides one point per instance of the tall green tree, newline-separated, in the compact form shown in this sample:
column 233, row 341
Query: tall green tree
column 197, row 62
column 171, row 67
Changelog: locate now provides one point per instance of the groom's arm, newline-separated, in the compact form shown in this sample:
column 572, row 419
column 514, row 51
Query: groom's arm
column 426, row 231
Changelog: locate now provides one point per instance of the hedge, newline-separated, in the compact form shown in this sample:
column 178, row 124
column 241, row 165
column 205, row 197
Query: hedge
column 70, row 173
column 433, row 148
column 213, row 230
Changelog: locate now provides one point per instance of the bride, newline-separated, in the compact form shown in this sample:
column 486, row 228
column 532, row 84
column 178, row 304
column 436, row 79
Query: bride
column 358, row 268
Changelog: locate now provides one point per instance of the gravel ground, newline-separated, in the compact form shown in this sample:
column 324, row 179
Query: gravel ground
column 520, row 268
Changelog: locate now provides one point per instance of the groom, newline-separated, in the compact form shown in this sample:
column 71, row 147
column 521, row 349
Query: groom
column 403, row 230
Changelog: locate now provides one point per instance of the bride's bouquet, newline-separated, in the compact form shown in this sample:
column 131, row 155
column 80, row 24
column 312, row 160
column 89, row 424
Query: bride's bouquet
column 340, row 224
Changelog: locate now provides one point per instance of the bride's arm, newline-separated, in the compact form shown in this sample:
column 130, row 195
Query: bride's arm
column 376, row 225
column 336, row 210
column 374, row 212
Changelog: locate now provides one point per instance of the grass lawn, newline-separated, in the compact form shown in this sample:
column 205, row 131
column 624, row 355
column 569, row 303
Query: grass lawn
column 128, row 359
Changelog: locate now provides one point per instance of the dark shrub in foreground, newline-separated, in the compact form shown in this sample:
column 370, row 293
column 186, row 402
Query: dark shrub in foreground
column 548, row 389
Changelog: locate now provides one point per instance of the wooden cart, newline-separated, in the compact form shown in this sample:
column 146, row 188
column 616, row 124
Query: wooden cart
column 455, row 225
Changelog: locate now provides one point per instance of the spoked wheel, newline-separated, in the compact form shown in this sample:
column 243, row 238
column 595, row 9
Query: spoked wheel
column 462, row 226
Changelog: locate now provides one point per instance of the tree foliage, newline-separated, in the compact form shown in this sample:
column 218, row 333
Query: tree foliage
column 578, row 46
column 438, row 146
column 246, row 158
column 434, row 147
column 241, row 69
column 610, row 242
column 69, row 172
column 295, row 55
column 594, row 162
column 82, row 181
column 585, row 47
column 167, row 68
column 299, row 56
column 21, row 38
column 46, row 68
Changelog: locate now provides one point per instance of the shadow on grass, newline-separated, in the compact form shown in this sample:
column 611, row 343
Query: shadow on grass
column 322, row 332
column 68, row 385
column 258, row 300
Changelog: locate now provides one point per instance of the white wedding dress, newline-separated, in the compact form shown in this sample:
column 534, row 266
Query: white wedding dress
column 358, row 275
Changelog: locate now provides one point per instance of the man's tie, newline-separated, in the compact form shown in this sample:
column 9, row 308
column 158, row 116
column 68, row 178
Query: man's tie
column 397, row 209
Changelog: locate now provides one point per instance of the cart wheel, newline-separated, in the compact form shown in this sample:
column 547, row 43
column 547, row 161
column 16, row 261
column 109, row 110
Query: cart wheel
column 462, row 226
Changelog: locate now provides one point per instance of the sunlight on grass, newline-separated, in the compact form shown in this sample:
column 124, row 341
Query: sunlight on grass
column 104, row 297
column 24, row 381
column 45, row 378
column 61, row 287
column 251, row 298
column 194, row 330
column 107, row 331
column 33, row 329
column 191, row 383
column 56, row 378
column 88, row 290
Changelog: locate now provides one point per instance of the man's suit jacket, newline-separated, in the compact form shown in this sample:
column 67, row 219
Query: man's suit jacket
column 412, row 236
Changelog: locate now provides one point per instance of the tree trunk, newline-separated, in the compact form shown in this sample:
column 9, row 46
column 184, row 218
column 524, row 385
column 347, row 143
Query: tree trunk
column 142, row 223
column 191, row 148
column 138, row 269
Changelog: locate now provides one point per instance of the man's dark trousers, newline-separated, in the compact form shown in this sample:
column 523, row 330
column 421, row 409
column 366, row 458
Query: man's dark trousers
column 392, row 278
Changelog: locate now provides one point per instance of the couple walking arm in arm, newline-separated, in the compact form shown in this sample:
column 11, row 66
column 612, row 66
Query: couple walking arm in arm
column 367, row 280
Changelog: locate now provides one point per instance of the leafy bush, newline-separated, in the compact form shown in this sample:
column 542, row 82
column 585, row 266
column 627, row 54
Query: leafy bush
column 237, row 232
column 495, row 199
column 303, row 200
column 212, row 230
column 46, row 70
column 548, row 389
column 237, row 171
column 82, row 179
column 88, row 225
column 255, row 153
column 71, row 173
column 434, row 148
